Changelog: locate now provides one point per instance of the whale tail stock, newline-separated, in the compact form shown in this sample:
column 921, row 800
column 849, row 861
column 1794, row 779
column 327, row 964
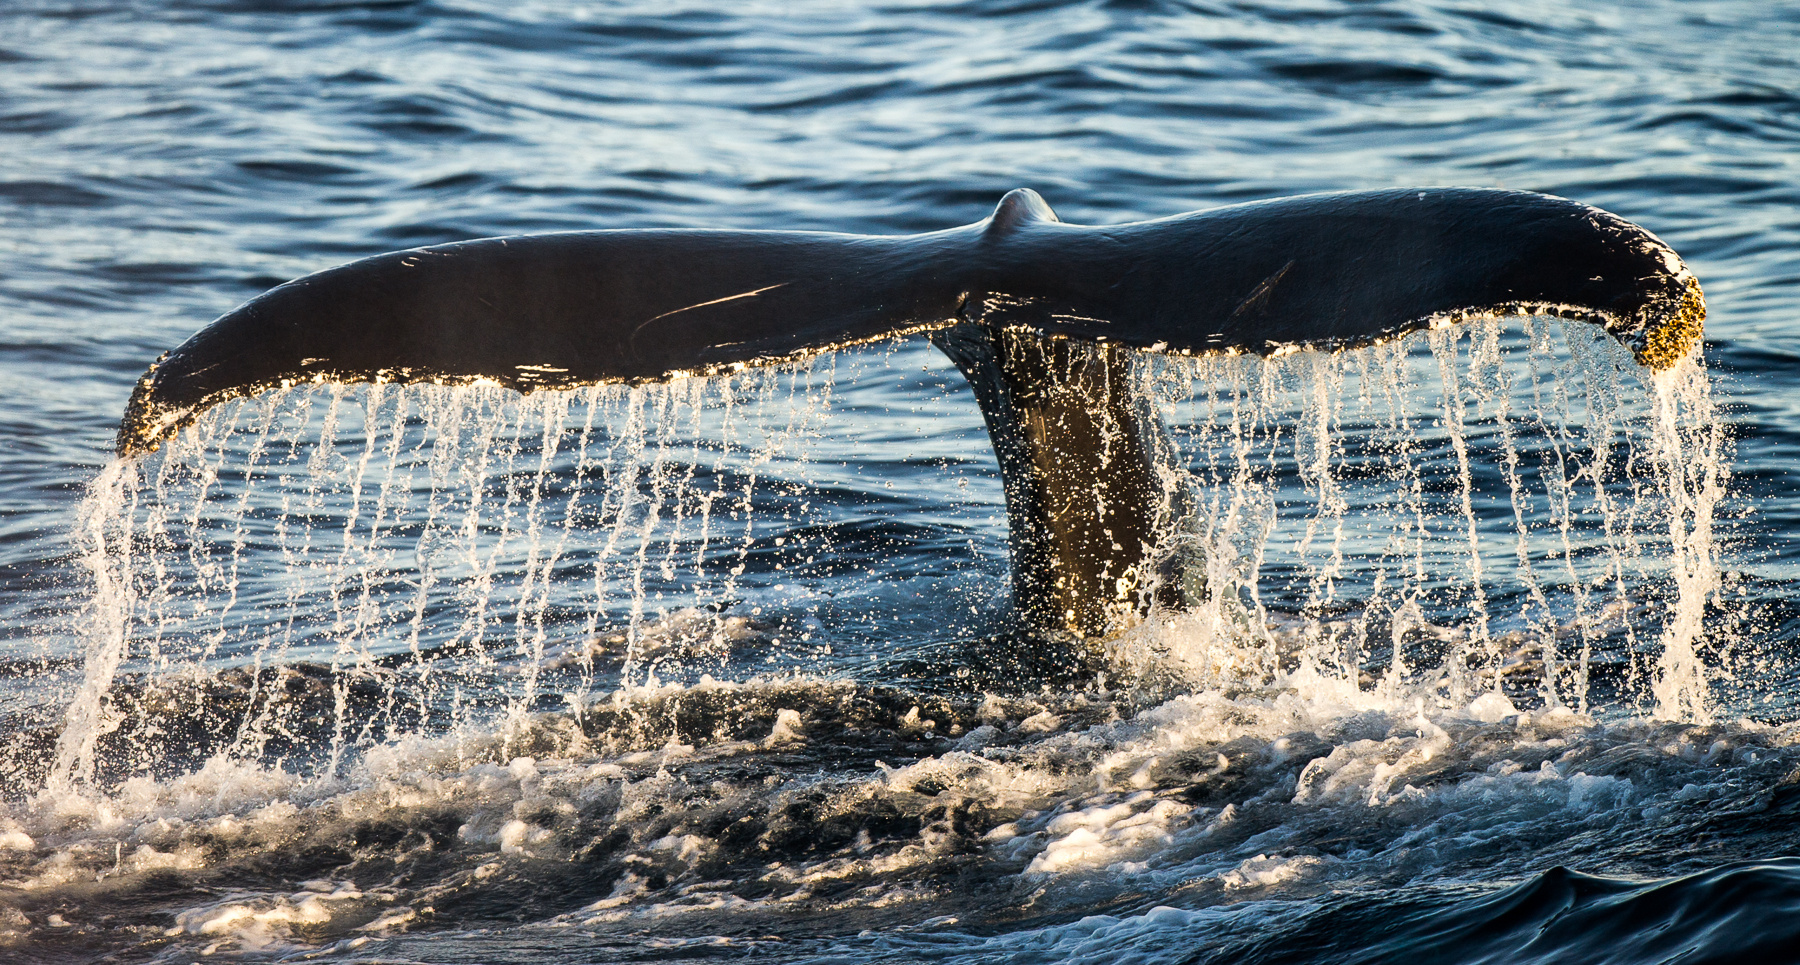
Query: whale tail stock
column 1038, row 314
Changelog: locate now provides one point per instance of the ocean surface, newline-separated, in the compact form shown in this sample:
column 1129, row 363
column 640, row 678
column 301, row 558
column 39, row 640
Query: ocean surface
column 1501, row 661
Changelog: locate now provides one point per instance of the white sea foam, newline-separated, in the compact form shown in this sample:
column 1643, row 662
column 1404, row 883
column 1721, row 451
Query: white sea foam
column 1301, row 784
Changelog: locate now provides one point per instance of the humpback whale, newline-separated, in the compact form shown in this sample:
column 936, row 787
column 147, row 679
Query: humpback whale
column 1044, row 318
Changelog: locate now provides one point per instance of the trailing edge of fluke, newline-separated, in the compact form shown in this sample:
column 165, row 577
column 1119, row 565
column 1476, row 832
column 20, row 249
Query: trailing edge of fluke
column 1037, row 313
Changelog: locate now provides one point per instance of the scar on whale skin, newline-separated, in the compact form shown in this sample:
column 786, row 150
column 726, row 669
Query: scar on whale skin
column 1042, row 317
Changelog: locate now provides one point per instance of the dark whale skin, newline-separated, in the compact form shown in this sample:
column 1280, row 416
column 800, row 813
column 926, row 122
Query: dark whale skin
column 1036, row 313
column 576, row 308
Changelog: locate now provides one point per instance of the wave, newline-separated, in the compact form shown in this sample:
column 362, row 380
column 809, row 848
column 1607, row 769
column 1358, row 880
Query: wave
column 804, row 806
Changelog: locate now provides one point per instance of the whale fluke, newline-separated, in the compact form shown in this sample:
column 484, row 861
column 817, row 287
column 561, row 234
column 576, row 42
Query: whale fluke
column 1012, row 299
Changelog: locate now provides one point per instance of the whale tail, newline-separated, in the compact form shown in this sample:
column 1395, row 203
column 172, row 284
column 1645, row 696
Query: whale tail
column 1001, row 296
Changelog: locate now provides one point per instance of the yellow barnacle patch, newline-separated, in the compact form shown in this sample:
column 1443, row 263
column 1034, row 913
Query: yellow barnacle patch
column 1670, row 342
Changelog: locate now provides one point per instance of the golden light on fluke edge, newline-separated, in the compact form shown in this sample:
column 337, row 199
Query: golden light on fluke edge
column 1039, row 315
column 1677, row 334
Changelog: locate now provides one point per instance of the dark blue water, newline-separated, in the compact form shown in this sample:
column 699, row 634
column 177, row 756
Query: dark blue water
column 439, row 736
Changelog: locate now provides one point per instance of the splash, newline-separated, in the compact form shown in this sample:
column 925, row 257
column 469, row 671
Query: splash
column 418, row 550
column 368, row 662
column 1491, row 509
column 1690, row 449
column 1491, row 512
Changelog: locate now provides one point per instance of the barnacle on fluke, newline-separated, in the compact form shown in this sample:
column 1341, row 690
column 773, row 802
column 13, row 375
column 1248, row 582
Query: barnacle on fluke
column 1037, row 314
column 1670, row 335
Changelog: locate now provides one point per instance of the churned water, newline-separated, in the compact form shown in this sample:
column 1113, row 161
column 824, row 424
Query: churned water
column 1500, row 649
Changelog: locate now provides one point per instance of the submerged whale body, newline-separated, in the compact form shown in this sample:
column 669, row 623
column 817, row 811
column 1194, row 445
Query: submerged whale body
column 1043, row 318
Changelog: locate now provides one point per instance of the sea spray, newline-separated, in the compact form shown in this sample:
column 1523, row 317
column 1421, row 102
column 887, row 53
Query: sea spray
column 103, row 528
column 370, row 531
column 1498, row 487
column 296, row 726
column 1451, row 515
column 1691, row 450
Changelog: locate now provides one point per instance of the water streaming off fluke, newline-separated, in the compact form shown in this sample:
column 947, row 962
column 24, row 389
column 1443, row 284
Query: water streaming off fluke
column 666, row 658
column 1515, row 510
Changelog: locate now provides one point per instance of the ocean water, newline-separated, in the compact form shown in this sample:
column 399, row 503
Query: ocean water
column 1504, row 666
